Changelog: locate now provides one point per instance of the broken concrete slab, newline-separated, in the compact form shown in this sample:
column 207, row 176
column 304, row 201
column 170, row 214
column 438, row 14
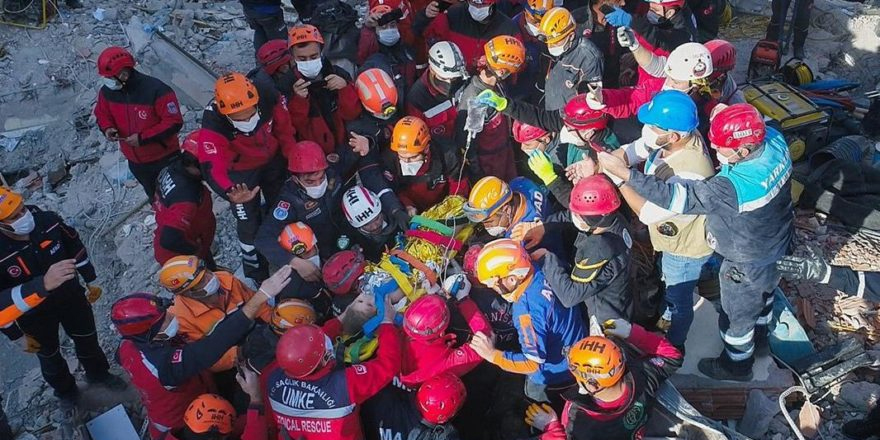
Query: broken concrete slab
column 760, row 411
column 860, row 396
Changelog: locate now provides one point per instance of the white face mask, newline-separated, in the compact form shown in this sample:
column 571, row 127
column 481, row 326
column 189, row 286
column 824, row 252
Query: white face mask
column 316, row 260
column 579, row 223
column 172, row 328
column 310, row 68
column 650, row 137
column 479, row 14
column 24, row 225
column 496, row 231
column 388, row 37
column 532, row 29
column 247, row 126
column 316, row 192
column 722, row 159
column 112, row 83
column 411, row 168
column 212, row 287
column 567, row 136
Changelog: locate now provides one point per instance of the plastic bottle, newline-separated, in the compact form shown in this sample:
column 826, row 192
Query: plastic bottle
column 665, row 321
column 476, row 117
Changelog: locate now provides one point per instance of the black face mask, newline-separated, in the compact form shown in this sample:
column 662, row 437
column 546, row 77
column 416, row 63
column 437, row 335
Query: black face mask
column 446, row 88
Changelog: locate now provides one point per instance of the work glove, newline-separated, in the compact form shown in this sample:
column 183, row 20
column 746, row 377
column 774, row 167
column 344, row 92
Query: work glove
column 619, row 18
column 93, row 293
column 491, row 99
column 457, row 286
column 813, row 267
column 401, row 219
column 618, row 328
column 540, row 163
column 595, row 99
column 29, row 344
column 627, row 38
column 539, row 415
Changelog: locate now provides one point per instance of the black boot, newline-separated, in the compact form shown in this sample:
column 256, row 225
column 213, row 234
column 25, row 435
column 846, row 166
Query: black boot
column 861, row 429
column 714, row 369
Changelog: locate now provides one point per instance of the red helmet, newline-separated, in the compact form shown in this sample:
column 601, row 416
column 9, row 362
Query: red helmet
column 723, row 56
column 737, row 126
column 594, row 195
column 440, row 397
column 273, row 55
column 426, row 318
column 578, row 115
column 192, row 142
column 469, row 262
column 306, row 157
column 302, row 350
column 112, row 60
column 342, row 271
column 137, row 313
column 523, row 132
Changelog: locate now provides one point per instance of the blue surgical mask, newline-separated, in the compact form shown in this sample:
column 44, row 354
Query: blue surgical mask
column 388, row 37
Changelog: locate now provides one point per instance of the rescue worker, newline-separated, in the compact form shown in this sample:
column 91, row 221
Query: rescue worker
column 41, row 257
column 313, row 398
column 489, row 152
column 800, row 24
column 381, row 45
column 203, row 298
column 185, row 223
column 422, row 171
column 429, row 349
column 748, row 220
column 813, row 267
column 433, row 97
column 141, row 113
column 245, row 132
column 212, row 417
column 546, row 328
column 468, row 25
column 600, row 275
column 299, row 242
column 342, row 274
column 275, row 68
column 529, row 86
column 709, row 15
column 266, row 18
column 591, row 23
column 258, row 350
column 439, row 399
column 530, row 137
column 616, row 385
column 370, row 132
column 167, row 371
column 577, row 63
column 499, row 206
column 324, row 97
column 722, row 87
column 372, row 232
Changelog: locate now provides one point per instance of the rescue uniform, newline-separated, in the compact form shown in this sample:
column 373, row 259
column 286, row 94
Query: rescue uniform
column 321, row 116
column 499, row 314
column 530, row 79
column 570, row 73
column 23, row 264
column 457, row 26
column 169, row 375
column 185, row 222
column 398, row 61
column 441, row 175
column 326, row 404
column 147, row 107
column 198, row 320
column 391, row 413
column 439, row 111
column 855, row 282
column 230, row 157
column 254, row 427
column 530, row 202
column 661, row 39
column 585, row 418
column 749, row 222
column 604, row 37
column 707, row 14
column 491, row 151
column 266, row 18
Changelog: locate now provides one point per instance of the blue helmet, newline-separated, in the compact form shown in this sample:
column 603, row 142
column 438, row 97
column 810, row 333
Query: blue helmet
column 670, row 110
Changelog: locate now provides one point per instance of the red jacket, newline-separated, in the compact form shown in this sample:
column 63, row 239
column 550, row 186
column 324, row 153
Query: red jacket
column 147, row 107
column 326, row 405
column 441, row 175
column 321, row 117
column 185, row 222
column 423, row 360
column 224, row 149
column 625, row 102
column 254, row 428
column 428, row 104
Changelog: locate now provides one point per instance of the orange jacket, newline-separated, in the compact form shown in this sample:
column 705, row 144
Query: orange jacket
column 198, row 319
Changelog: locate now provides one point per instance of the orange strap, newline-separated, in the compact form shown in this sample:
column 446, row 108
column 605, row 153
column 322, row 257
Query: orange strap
column 416, row 263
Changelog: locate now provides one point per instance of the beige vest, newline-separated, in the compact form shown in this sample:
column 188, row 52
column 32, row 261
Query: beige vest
column 683, row 235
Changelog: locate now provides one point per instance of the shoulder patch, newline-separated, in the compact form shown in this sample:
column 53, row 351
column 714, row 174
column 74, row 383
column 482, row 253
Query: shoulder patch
column 310, row 205
column 281, row 211
column 177, row 357
column 14, row 271
column 209, row 147
column 333, row 158
column 172, row 108
column 359, row 369
column 657, row 362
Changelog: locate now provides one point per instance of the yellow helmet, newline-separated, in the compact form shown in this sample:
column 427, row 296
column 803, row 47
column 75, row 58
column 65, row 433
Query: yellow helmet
column 290, row 313
column 487, row 196
column 556, row 26
column 535, row 10
column 10, row 201
column 596, row 361
column 502, row 258
column 182, row 272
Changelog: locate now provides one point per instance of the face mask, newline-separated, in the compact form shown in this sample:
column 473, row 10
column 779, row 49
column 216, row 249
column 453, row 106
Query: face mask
column 580, row 224
column 722, row 159
column 479, row 14
column 310, row 68
column 557, row 50
column 212, row 287
column 496, row 231
column 651, row 139
column 316, row 260
column 388, row 37
column 444, row 87
column 410, row 168
column 247, row 126
column 566, row 136
column 172, row 328
column 316, row 192
column 23, row 225
column 532, row 29
column 400, row 305
column 112, row 83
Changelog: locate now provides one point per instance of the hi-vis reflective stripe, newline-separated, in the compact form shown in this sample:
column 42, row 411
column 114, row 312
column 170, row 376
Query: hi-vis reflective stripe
column 738, row 340
column 331, row 413
column 861, row 290
column 437, row 109
column 740, row 356
column 82, row 263
column 679, row 197
column 18, row 300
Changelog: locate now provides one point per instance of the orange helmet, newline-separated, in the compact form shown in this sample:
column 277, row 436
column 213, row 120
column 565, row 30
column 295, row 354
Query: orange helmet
column 535, row 10
column 290, row 313
column 410, row 135
column 487, row 196
column 297, row 238
column 304, row 34
column 380, row 9
column 210, row 413
column 377, row 92
column 180, row 273
column 596, row 361
column 556, row 26
column 505, row 55
column 233, row 93
column 502, row 258
column 10, row 201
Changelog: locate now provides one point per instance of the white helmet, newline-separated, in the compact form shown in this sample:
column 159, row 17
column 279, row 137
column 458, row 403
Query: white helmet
column 446, row 61
column 360, row 206
column 689, row 62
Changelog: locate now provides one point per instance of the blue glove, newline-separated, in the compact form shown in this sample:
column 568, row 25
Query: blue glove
column 619, row 18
